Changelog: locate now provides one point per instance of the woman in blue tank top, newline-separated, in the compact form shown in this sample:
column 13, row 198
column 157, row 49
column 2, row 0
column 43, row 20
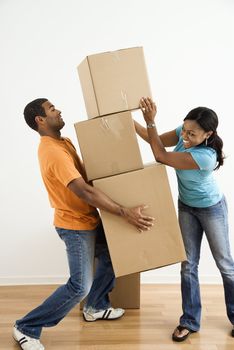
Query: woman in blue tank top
column 201, row 206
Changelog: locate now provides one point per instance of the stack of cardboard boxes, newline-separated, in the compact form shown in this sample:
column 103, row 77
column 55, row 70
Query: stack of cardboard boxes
column 112, row 85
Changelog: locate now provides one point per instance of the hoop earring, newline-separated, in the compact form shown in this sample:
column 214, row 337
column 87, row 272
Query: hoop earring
column 206, row 141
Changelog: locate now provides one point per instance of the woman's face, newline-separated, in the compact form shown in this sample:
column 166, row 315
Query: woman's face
column 192, row 134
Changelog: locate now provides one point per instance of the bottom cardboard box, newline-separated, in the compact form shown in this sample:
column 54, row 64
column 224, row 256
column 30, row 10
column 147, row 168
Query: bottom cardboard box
column 130, row 250
column 126, row 293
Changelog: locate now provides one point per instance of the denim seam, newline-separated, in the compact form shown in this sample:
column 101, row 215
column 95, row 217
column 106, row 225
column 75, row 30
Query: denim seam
column 26, row 333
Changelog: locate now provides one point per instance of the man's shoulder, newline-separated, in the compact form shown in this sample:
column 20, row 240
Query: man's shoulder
column 53, row 151
column 49, row 149
column 68, row 141
column 47, row 145
column 51, row 143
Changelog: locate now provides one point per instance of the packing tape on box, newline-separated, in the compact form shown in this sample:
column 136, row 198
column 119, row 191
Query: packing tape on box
column 124, row 98
column 115, row 55
column 112, row 127
column 104, row 123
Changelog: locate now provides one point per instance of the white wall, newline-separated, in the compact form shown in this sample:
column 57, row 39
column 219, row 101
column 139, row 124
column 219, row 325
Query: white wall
column 189, row 50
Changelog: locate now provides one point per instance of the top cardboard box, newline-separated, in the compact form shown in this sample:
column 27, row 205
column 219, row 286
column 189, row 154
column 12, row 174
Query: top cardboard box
column 113, row 81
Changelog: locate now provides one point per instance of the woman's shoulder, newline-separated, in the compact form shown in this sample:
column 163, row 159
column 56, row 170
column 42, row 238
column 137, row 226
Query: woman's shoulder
column 205, row 157
column 178, row 130
column 204, row 150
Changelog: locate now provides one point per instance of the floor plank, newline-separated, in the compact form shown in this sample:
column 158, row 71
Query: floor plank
column 148, row 328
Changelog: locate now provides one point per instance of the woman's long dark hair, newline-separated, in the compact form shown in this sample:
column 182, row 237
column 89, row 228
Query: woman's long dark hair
column 208, row 121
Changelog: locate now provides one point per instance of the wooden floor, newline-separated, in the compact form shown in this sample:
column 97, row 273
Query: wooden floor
column 148, row 328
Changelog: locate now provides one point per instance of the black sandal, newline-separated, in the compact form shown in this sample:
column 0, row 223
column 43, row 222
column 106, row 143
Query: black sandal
column 180, row 329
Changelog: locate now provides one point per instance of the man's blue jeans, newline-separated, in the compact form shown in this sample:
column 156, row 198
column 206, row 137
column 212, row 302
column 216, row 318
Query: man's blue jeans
column 193, row 222
column 81, row 248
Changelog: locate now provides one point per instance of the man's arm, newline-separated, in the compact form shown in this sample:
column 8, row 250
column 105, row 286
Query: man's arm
column 97, row 198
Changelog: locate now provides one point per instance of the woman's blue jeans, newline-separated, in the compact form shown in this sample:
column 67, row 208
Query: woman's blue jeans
column 193, row 222
column 81, row 248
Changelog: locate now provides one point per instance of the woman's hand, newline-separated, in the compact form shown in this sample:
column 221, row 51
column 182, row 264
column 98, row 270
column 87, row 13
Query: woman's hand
column 148, row 108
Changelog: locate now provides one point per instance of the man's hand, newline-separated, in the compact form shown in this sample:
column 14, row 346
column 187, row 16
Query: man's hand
column 148, row 108
column 136, row 218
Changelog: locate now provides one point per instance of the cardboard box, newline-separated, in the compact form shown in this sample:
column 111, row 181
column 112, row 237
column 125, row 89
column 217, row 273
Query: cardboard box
column 109, row 145
column 130, row 250
column 113, row 81
column 126, row 293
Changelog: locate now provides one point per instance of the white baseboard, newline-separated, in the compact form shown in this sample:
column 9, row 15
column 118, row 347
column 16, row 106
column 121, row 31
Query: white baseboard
column 29, row 280
column 173, row 279
column 145, row 279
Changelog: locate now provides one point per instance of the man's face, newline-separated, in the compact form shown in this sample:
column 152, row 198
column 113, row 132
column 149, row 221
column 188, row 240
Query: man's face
column 53, row 118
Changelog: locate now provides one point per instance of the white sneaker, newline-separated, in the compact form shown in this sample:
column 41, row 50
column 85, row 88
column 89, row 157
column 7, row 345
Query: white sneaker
column 25, row 342
column 108, row 314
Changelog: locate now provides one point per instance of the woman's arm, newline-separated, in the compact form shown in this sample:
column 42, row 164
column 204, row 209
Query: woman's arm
column 168, row 139
column 176, row 160
column 141, row 131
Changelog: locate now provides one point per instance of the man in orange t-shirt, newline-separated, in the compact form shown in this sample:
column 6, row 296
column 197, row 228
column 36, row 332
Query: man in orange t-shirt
column 78, row 224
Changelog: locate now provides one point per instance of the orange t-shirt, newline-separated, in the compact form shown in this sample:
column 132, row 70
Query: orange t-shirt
column 60, row 165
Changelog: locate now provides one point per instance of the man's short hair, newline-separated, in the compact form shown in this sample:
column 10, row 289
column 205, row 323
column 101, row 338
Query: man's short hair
column 32, row 110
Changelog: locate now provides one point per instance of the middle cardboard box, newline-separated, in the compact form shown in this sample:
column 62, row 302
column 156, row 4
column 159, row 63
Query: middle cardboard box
column 108, row 145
